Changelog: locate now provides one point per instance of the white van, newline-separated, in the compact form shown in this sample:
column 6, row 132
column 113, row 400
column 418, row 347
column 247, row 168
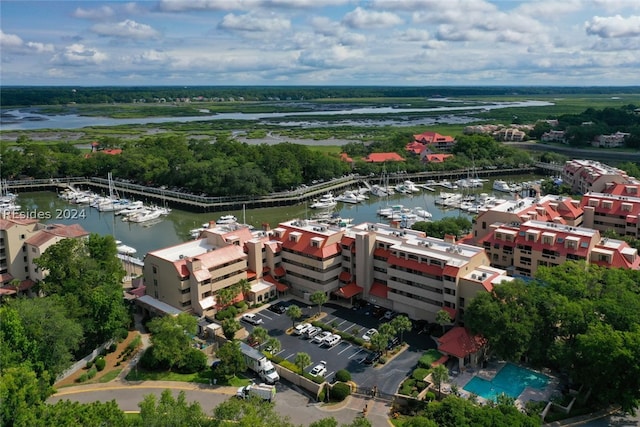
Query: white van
column 332, row 340
column 301, row 328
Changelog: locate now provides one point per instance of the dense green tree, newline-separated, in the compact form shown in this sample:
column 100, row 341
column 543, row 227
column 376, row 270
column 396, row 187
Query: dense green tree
column 230, row 327
column 66, row 413
column 443, row 318
column 171, row 337
column 21, row 393
column 49, row 336
column 273, row 344
column 231, row 357
column 248, row 413
column 318, row 298
column 455, row 226
column 169, row 411
column 379, row 341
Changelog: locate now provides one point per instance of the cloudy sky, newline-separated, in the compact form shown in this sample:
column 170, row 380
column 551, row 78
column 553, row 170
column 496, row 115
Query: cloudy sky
column 320, row 42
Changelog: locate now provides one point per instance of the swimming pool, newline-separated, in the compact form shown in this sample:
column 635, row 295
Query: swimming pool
column 511, row 380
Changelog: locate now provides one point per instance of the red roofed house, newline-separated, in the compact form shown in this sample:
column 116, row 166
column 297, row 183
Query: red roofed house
column 460, row 343
column 436, row 158
column 383, row 157
column 345, row 158
column 433, row 140
column 415, row 147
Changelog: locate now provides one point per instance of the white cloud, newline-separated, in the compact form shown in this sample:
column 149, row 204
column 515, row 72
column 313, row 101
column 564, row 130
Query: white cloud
column 40, row 47
column 187, row 5
column 151, row 56
column 9, row 41
column 78, row 54
column 613, row 26
column 100, row 13
column 365, row 19
column 251, row 22
column 550, row 9
column 414, row 35
column 126, row 29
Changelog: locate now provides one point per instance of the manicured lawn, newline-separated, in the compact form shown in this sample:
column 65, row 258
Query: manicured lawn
column 429, row 357
column 198, row 377
column 109, row 376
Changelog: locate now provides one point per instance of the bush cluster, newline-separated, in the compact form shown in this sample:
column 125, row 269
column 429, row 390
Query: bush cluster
column 194, row 361
column 343, row 375
column 339, row 391
column 227, row 313
column 419, row 374
column 100, row 363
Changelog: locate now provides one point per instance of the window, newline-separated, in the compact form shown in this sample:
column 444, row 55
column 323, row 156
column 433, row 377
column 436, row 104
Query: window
column 185, row 291
column 155, row 270
column 155, row 283
column 33, row 250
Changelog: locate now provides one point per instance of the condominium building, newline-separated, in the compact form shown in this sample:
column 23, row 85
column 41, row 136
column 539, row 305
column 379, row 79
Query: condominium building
column 22, row 240
column 585, row 176
column 399, row 269
column 550, row 208
column 522, row 248
column 613, row 212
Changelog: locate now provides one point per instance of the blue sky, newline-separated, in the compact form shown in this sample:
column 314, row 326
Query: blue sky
column 320, row 42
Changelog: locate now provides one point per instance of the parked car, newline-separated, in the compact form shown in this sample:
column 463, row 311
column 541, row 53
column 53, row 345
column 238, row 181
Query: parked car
column 372, row 357
column 389, row 314
column 321, row 337
column 367, row 335
column 278, row 308
column 301, row 328
column 312, row 332
column 377, row 311
column 333, row 340
column 319, row 370
column 252, row 318
column 393, row 342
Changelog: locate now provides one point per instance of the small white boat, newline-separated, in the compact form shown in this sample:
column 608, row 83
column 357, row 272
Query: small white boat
column 227, row 219
column 500, row 185
column 124, row 249
column 324, row 202
column 349, row 197
column 132, row 208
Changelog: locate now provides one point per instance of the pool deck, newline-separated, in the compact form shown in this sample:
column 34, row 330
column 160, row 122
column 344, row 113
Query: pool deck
column 488, row 373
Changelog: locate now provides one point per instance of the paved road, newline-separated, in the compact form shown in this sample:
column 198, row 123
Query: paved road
column 289, row 402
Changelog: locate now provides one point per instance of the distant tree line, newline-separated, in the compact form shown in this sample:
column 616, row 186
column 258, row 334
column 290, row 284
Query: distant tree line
column 43, row 95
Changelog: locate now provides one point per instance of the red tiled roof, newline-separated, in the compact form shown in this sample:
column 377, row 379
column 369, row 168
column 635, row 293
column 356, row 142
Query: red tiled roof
column 112, row 151
column 451, row 312
column 221, row 256
column 433, row 138
column 304, row 245
column 251, row 274
column 415, row 147
column 345, row 158
column 279, row 286
column 440, row 361
column 346, row 240
column 415, row 265
column 450, row 270
column 139, row 291
column 202, row 275
column 5, row 277
column 383, row 157
column 459, row 342
column 379, row 290
column 280, row 271
column 437, row 158
column 350, row 290
column 344, row 276
column 382, row 253
column 265, row 270
column 7, row 291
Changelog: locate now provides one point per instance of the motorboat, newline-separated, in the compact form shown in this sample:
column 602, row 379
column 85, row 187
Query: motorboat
column 124, row 249
column 349, row 197
column 500, row 185
column 411, row 186
column 133, row 207
column 226, row 219
column 147, row 214
column 422, row 213
column 324, row 202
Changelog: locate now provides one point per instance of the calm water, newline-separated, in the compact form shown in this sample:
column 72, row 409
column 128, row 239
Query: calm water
column 175, row 227
column 29, row 119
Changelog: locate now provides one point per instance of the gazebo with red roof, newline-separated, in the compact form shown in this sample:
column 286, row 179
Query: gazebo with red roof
column 460, row 343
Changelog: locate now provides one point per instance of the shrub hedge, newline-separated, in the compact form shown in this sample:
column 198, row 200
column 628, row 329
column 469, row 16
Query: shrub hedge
column 340, row 391
column 100, row 363
column 343, row 375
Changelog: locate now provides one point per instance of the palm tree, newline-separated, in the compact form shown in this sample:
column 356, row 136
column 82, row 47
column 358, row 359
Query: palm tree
column 401, row 324
column 225, row 296
column 294, row 312
column 273, row 344
column 440, row 375
column 443, row 318
column 318, row 298
column 245, row 287
column 302, row 360
column 230, row 327
column 259, row 335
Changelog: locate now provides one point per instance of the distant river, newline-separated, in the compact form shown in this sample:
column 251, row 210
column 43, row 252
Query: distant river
column 175, row 227
column 31, row 119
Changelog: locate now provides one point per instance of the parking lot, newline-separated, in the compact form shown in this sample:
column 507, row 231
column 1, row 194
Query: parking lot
column 344, row 355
